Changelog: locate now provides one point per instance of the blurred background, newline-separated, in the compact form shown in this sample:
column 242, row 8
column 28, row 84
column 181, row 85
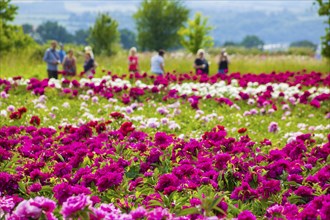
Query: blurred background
column 260, row 36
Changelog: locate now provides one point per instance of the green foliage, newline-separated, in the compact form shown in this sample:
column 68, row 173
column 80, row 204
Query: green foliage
column 11, row 36
column 158, row 23
column 303, row 43
column 81, row 36
column 324, row 10
column 53, row 31
column 251, row 41
column 302, row 51
column 8, row 11
column 230, row 43
column 195, row 35
column 127, row 38
column 27, row 28
column 242, row 60
column 239, row 50
column 104, row 36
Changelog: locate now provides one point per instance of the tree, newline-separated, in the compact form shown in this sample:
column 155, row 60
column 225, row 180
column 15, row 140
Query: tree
column 230, row 44
column 251, row 41
column 104, row 36
column 81, row 36
column 195, row 35
column 127, row 38
column 27, row 28
column 158, row 23
column 53, row 31
column 324, row 10
column 11, row 36
column 303, row 43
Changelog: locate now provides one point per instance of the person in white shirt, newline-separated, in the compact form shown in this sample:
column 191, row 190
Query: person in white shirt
column 157, row 63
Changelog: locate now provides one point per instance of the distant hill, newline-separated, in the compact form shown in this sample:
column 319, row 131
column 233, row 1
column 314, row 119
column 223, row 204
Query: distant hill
column 274, row 22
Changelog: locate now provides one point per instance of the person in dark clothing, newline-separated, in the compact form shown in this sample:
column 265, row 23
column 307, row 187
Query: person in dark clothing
column 89, row 65
column 201, row 65
column 223, row 62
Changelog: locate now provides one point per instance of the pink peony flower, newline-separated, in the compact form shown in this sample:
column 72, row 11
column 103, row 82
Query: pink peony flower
column 273, row 127
column 74, row 205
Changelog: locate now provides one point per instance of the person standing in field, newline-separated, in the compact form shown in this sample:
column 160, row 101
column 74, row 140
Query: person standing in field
column 201, row 65
column 133, row 61
column 157, row 63
column 52, row 58
column 62, row 52
column 69, row 64
column 88, row 49
column 89, row 64
column 223, row 62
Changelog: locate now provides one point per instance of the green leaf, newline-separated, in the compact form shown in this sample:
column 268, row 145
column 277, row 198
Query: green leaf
column 188, row 211
column 233, row 209
column 215, row 202
column 21, row 187
column 47, row 189
column 133, row 172
column 155, row 203
column 294, row 199
column 60, row 156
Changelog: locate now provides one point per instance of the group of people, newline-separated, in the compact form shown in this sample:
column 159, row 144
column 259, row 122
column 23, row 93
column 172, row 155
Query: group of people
column 201, row 65
column 157, row 62
column 54, row 58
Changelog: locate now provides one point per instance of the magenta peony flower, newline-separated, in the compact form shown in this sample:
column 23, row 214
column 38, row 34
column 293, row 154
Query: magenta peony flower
column 221, row 160
column 62, row 192
column 109, row 180
column 246, row 215
column 315, row 103
column 162, row 140
column 35, row 208
column 273, row 127
column 269, row 187
column 35, row 187
column 75, row 205
column 7, row 204
column 47, row 205
column 295, row 178
column 25, row 210
column 165, row 181
column 159, row 213
column 325, row 210
column 66, row 91
column 304, row 191
column 8, row 183
column 61, row 169
column 139, row 213
column 243, row 192
column 195, row 202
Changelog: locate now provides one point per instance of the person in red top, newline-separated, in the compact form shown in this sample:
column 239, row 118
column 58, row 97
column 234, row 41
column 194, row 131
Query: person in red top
column 133, row 61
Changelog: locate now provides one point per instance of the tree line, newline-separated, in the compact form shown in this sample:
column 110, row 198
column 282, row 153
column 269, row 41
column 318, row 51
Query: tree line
column 159, row 24
column 50, row 30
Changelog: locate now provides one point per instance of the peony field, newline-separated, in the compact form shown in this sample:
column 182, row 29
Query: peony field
column 177, row 146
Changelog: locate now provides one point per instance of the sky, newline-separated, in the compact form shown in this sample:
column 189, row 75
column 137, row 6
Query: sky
column 272, row 20
column 79, row 6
